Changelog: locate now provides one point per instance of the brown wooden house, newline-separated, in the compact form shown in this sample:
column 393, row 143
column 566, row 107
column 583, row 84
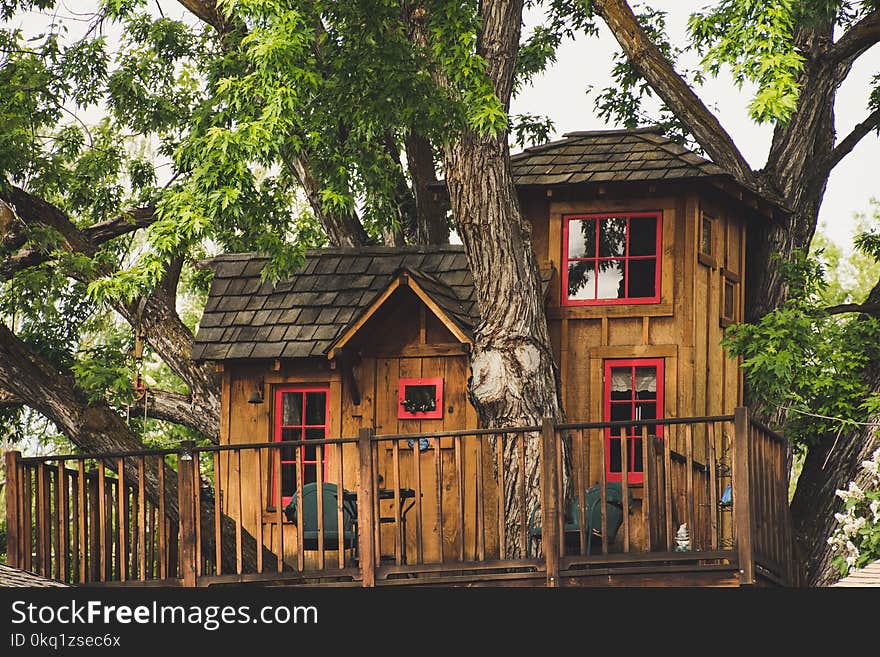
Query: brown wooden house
column 641, row 246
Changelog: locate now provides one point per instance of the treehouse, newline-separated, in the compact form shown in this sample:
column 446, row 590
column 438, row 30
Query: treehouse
column 349, row 452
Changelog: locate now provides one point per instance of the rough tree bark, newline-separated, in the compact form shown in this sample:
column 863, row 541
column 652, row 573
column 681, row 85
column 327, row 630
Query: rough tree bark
column 97, row 428
column 514, row 379
column 801, row 158
column 431, row 226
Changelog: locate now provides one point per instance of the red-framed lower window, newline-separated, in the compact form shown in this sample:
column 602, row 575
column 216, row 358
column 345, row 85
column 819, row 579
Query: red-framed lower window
column 420, row 399
column 611, row 258
column 300, row 413
column 633, row 391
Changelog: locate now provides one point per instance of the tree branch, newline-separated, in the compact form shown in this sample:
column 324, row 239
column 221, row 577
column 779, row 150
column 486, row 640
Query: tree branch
column 851, row 140
column 863, row 308
column 857, row 39
column 178, row 408
column 32, row 210
column 673, row 90
column 127, row 222
column 155, row 315
column 206, row 10
column 9, row 398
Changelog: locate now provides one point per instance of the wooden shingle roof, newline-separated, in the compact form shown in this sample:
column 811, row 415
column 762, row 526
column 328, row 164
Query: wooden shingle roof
column 15, row 577
column 303, row 317
column 609, row 156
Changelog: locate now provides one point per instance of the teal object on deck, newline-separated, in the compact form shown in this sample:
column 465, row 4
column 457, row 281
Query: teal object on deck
column 309, row 526
column 592, row 513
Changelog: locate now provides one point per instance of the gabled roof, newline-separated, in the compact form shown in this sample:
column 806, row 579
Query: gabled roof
column 303, row 317
column 609, row 156
column 432, row 291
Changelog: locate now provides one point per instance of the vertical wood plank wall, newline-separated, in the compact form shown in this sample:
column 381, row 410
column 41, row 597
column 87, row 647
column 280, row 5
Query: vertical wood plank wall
column 684, row 329
column 392, row 345
column 402, row 340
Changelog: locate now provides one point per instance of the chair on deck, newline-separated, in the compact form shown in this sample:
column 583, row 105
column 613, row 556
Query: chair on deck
column 593, row 512
column 309, row 528
column 592, row 515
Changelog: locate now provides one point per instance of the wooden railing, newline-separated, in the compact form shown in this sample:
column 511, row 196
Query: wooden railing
column 443, row 507
column 765, row 455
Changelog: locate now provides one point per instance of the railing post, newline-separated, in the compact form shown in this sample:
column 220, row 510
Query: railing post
column 186, row 511
column 12, row 517
column 741, row 496
column 365, row 502
column 550, row 502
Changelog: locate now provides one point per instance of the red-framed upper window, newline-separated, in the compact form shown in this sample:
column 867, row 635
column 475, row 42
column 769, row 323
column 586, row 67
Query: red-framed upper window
column 611, row 258
column 300, row 413
column 633, row 391
column 420, row 399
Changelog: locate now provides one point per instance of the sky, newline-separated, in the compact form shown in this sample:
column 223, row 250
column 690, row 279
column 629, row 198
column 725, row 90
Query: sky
column 561, row 94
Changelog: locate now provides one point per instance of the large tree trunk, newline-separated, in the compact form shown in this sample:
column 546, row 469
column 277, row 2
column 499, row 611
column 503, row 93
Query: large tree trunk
column 514, row 377
column 95, row 428
column 830, row 465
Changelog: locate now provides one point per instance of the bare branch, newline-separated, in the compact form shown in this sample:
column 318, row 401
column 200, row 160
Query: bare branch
column 127, row 222
column 851, row 140
column 862, row 308
column 673, row 90
column 206, row 10
column 857, row 39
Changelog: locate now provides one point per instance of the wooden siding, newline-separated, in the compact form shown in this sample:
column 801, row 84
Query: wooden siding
column 404, row 339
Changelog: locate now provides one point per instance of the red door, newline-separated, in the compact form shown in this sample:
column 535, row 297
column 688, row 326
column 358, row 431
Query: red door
column 633, row 391
column 301, row 413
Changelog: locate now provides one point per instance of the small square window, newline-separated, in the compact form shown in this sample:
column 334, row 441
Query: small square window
column 420, row 399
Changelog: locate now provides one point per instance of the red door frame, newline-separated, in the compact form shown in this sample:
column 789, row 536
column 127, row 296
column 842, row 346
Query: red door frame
column 633, row 363
column 277, row 427
column 566, row 221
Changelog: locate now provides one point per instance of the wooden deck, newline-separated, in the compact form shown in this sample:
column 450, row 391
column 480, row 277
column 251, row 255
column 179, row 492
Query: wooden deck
column 188, row 516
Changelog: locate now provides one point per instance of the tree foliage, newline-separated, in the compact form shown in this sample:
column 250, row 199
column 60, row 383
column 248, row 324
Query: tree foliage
column 802, row 360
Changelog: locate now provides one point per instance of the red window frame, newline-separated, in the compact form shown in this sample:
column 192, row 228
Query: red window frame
column 301, row 451
column 437, row 413
column 626, row 258
column 634, row 477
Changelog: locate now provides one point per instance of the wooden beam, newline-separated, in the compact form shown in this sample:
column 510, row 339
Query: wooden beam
column 550, row 538
column 741, row 503
column 352, row 330
column 186, row 510
column 366, row 555
column 12, row 517
column 348, row 372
